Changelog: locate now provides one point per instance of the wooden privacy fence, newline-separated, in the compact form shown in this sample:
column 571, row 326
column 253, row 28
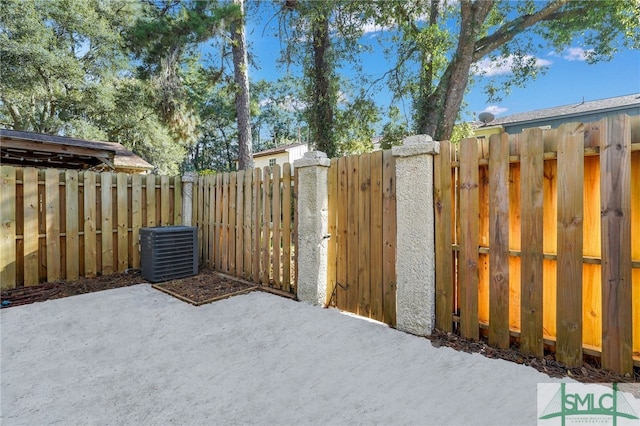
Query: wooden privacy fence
column 538, row 236
column 362, row 226
column 246, row 224
column 65, row 224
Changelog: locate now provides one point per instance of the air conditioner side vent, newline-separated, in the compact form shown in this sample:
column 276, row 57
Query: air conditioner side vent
column 168, row 252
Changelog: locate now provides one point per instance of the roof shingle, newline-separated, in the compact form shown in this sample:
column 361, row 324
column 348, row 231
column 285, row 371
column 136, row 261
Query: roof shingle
column 609, row 104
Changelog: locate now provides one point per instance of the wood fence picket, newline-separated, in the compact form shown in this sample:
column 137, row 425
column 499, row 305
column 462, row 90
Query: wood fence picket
column 570, row 165
column 499, row 240
column 362, row 235
column 468, row 269
column 556, row 213
column 66, row 224
column 615, row 202
column 246, row 226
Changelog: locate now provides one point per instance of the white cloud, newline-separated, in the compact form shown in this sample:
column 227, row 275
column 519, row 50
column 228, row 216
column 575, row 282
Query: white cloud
column 577, row 54
column 573, row 54
column 495, row 109
column 371, row 27
column 504, row 65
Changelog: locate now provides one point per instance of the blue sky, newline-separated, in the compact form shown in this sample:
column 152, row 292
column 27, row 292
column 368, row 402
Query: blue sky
column 569, row 78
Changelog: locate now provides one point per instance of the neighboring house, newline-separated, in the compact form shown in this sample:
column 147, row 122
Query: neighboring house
column 280, row 155
column 375, row 141
column 551, row 118
column 28, row 149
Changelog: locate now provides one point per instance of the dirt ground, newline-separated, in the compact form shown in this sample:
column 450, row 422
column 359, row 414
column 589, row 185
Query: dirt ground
column 589, row 372
column 209, row 286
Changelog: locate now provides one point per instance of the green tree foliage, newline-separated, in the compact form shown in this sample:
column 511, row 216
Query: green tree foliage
column 165, row 39
column 443, row 40
column 120, row 70
column 461, row 131
column 279, row 113
column 355, row 126
column 135, row 123
column 192, row 93
column 217, row 147
column 395, row 130
column 134, row 71
column 323, row 37
column 66, row 70
column 60, row 62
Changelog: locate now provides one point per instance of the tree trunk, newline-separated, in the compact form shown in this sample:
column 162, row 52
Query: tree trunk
column 437, row 115
column 426, row 73
column 322, row 114
column 241, row 76
column 441, row 109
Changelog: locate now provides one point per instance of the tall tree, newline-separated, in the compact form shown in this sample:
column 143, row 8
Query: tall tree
column 166, row 39
column 437, row 114
column 60, row 61
column 511, row 31
column 241, row 76
column 66, row 70
column 311, row 43
column 169, row 42
column 323, row 36
column 322, row 88
column 279, row 117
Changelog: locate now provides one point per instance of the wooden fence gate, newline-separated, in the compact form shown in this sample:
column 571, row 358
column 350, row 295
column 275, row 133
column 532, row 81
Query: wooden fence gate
column 362, row 243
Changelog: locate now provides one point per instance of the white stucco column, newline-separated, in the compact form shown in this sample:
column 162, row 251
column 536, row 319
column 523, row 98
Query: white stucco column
column 187, row 197
column 415, row 256
column 313, row 226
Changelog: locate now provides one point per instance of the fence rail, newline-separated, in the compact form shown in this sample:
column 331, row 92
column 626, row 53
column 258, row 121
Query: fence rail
column 534, row 239
column 65, row 224
column 246, row 224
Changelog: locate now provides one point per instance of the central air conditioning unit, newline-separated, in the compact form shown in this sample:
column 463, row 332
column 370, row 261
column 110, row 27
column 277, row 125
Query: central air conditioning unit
column 168, row 252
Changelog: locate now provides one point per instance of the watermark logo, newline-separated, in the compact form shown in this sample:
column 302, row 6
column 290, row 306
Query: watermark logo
column 581, row 404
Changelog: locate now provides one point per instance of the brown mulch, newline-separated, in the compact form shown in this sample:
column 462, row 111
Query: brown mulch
column 589, row 372
column 208, row 285
column 205, row 287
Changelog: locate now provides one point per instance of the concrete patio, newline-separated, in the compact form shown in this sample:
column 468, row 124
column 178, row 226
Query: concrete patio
column 136, row 356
